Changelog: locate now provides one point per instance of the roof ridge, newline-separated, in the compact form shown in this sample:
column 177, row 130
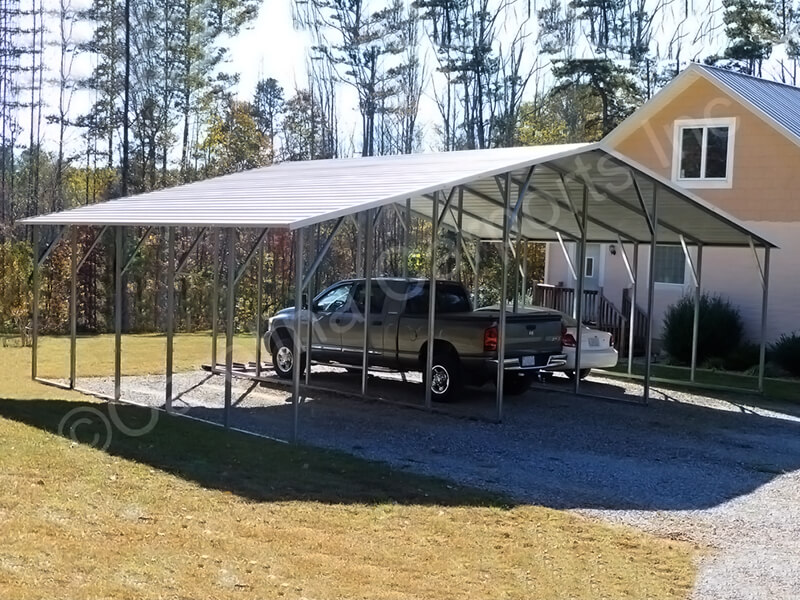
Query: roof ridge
column 748, row 76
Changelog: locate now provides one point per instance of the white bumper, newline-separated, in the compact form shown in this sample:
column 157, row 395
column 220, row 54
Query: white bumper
column 605, row 358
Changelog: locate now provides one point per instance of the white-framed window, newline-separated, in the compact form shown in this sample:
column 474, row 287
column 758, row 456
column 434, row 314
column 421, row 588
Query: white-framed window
column 703, row 152
column 670, row 265
column 589, row 270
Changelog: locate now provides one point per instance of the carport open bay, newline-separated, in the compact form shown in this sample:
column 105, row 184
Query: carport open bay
column 719, row 471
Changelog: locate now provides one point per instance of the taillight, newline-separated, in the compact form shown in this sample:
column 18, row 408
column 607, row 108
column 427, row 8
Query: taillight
column 490, row 339
column 610, row 341
column 567, row 339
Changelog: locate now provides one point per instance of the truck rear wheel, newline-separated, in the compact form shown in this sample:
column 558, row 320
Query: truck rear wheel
column 445, row 378
column 283, row 358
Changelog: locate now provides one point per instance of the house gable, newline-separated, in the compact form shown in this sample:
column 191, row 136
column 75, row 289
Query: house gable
column 765, row 157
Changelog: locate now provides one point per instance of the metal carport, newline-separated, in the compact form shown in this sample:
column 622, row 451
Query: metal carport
column 583, row 193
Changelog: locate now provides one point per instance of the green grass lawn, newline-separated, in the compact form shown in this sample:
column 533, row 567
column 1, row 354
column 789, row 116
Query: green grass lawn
column 774, row 389
column 192, row 511
column 142, row 354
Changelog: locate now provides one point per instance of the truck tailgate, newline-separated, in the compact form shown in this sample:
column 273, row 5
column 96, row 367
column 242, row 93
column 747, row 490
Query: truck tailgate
column 531, row 333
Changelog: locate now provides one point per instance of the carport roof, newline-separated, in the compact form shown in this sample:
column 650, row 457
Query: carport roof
column 296, row 194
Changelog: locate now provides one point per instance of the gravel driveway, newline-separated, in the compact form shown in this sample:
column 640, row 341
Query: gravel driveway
column 723, row 471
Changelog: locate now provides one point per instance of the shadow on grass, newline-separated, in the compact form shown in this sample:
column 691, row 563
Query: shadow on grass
column 258, row 469
column 553, row 448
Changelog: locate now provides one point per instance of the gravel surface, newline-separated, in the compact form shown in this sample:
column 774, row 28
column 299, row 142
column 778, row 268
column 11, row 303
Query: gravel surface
column 722, row 471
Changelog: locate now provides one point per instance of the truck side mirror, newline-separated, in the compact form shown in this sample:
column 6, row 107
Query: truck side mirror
column 305, row 301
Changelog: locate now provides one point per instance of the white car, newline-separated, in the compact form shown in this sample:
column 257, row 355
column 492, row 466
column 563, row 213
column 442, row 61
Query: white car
column 597, row 347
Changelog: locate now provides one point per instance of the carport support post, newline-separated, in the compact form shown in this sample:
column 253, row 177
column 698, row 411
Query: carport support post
column 230, row 311
column 632, row 315
column 764, row 305
column 119, row 257
column 73, row 305
column 651, row 287
column 427, row 375
column 214, row 297
column 524, row 273
column 297, row 349
column 359, row 253
column 368, row 252
column 459, row 233
column 475, row 281
column 406, row 236
column 35, row 307
column 696, row 321
column 259, row 303
column 501, row 329
column 576, row 273
column 170, row 314
column 310, row 316
column 517, row 263
column 579, row 290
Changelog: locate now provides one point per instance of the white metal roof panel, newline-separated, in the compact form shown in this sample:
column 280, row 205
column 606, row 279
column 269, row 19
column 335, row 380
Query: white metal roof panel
column 294, row 195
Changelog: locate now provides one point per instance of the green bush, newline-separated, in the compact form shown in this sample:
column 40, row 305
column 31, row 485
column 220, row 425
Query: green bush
column 720, row 329
column 715, row 363
column 786, row 353
column 743, row 357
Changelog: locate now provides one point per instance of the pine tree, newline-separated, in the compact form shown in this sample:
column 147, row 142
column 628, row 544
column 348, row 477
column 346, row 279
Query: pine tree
column 268, row 106
column 357, row 38
column 107, row 47
column 614, row 86
column 751, row 30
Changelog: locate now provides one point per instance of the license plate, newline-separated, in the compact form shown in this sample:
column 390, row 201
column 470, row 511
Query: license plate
column 594, row 342
column 528, row 361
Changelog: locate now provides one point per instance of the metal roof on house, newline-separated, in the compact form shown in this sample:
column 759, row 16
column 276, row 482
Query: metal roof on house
column 551, row 180
column 779, row 101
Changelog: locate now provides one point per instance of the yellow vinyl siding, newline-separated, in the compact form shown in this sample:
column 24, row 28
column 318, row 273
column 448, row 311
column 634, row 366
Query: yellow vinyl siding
column 766, row 164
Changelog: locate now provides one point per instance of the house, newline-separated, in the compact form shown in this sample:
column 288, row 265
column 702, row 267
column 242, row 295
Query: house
column 733, row 140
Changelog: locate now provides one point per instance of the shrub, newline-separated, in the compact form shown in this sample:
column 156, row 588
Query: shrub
column 786, row 353
column 720, row 329
column 742, row 357
column 715, row 363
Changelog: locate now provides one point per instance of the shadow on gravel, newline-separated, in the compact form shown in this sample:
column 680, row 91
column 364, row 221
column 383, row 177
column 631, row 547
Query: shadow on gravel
column 560, row 450
column 258, row 469
column 553, row 448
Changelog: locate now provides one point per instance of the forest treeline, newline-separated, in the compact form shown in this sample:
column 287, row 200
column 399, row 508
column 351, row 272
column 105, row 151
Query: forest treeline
column 164, row 109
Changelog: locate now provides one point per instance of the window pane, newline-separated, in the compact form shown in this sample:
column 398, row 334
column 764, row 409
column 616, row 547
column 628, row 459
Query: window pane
column 333, row 300
column 589, row 266
column 670, row 264
column 691, row 149
column 417, row 300
column 451, row 298
column 376, row 299
column 717, row 152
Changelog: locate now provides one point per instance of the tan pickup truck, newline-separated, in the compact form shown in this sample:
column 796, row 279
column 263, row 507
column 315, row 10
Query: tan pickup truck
column 465, row 341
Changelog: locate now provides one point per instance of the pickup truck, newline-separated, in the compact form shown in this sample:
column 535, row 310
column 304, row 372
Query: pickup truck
column 465, row 341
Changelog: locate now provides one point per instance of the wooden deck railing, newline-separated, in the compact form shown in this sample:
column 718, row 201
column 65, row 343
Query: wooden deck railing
column 610, row 319
column 562, row 298
column 639, row 322
column 598, row 310
column 555, row 297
